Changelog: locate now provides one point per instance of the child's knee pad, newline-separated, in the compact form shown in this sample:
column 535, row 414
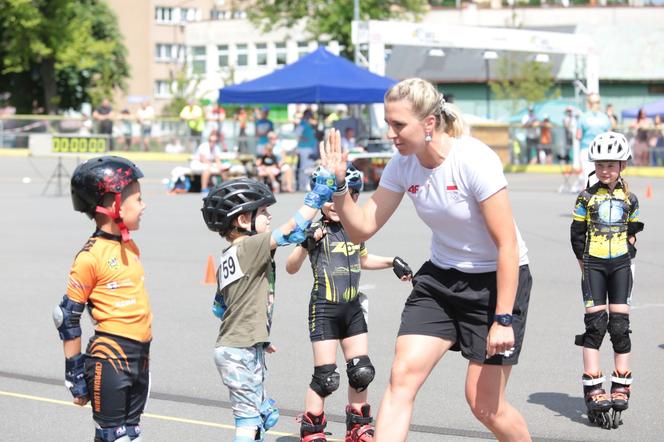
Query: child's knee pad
column 619, row 332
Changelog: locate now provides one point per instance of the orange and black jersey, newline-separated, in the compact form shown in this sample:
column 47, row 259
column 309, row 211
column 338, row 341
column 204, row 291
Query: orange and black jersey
column 335, row 262
column 108, row 276
column 603, row 220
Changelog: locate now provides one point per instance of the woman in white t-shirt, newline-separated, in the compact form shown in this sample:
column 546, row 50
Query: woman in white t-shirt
column 472, row 295
column 207, row 161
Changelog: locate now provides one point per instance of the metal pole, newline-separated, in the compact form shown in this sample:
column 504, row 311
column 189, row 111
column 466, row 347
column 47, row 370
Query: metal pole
column 488, row 90
column 356, row 17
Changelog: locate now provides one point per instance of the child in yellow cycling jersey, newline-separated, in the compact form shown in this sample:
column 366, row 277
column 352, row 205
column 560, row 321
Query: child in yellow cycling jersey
column 336, row 317
column 603, row 233
column 238, row 211
column 107, row 276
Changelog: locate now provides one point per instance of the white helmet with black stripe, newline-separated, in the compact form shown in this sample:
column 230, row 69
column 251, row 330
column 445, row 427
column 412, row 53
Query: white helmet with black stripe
column 609, row 146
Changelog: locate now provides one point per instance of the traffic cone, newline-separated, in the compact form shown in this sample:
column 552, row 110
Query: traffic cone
column 210, row 272
column 649, row 192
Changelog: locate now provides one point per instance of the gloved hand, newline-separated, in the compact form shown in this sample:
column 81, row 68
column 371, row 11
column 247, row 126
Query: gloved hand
column 401, row 268
column 324, row 187
column 74, row 378
column 218, row 306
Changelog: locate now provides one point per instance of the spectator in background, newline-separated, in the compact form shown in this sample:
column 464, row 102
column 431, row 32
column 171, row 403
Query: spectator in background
column 591, row 123
column 126, row 128
column 263, row 126
column 545, row 150
column 268, row 166
column 215, row 116
column 613, row 119
column 242, row 117
column 145, row 115
column 641, row 128
column 348, row 140
column 306, row 148
column 569, row 126
column 192, row 114
column 103, row 116
column 287, row 162
column 207, row 160
column 657, row 152
column 531, row 124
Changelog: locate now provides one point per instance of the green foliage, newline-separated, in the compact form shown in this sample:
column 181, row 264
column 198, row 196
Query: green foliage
column 329, row 19
column 520, row 81
column 183, row 88
column 60, row 53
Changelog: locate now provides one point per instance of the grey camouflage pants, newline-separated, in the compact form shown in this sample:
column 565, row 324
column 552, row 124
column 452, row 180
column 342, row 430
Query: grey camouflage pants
column 243, row 371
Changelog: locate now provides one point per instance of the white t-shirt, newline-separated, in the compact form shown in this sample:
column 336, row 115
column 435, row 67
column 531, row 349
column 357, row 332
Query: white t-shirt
column 447, row 200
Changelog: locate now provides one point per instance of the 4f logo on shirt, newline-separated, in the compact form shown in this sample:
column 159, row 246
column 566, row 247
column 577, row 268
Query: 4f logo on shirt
column 414, row 188
column 113, row 263
column 346, row 248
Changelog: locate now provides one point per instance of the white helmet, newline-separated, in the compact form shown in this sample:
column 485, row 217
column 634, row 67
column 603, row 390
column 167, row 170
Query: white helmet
column 609, row 146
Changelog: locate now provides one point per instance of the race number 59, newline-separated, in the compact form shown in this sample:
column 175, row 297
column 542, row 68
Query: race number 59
column 229, row 268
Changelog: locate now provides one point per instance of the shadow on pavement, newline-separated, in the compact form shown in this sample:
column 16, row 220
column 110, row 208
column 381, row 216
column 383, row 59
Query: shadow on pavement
column 571, row 407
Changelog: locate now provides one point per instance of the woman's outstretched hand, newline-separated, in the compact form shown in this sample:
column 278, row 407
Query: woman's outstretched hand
column 331, row 156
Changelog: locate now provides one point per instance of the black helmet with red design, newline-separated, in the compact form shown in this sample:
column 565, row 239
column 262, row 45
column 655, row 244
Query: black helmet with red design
column 97, row 177
column 228, row 200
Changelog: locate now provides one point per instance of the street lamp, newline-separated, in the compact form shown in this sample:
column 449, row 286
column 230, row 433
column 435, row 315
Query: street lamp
column 488, row 56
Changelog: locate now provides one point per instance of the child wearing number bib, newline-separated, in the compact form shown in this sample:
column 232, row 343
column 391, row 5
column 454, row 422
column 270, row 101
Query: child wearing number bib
column 238, row 211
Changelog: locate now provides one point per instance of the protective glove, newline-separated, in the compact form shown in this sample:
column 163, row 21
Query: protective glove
column 401, row 268
column 74, row 375
column 324, row 187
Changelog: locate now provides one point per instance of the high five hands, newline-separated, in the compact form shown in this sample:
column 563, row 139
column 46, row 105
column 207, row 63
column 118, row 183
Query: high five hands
column 331, row 156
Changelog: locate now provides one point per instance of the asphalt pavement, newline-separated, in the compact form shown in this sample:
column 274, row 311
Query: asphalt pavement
column 40, row 234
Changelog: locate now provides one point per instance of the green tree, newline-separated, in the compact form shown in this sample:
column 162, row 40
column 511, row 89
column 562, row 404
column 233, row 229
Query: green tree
column 183, row 89
column 60, row 53
column 329, row 18
column 525, row 80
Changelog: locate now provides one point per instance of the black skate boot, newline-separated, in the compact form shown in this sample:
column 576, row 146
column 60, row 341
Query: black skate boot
column 312, row 427
column 621, row 387
column 358, row 424
column 597, row 401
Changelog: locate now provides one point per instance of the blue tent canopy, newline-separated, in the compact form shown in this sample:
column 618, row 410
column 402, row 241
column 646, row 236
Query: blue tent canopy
column 319, row 77
column 651, row 109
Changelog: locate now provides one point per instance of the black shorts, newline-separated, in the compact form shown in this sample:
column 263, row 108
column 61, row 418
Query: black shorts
column 459, row 307
column 330, row 320
column 117, row 372
column 606, row 279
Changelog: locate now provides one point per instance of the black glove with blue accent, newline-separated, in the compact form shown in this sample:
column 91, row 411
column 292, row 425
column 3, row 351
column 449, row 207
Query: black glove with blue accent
column 74, row 376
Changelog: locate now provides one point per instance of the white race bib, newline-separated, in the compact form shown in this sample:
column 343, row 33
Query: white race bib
column 229, row 268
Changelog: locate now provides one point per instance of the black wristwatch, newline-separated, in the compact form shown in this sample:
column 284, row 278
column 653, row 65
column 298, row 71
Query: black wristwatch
column 504, row 320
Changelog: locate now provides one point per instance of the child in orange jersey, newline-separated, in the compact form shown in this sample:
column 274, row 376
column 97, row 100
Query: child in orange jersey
column 107, row 276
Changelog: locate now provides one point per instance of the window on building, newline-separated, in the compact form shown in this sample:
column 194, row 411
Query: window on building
column 302, row 48
column 164, row 15
column 222, row 52
column 261, row 54
column 280, row 49
column 166, row 52
column 162, row 88
column 198, row 59
column 242, row 55
column 189, row 14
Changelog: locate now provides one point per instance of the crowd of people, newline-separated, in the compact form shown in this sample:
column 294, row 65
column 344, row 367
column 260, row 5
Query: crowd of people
column 471, row 296
column 646, row 135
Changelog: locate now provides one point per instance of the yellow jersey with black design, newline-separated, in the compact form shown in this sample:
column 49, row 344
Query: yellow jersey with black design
column 335, row 262
column 602, row 220
column 108, row 276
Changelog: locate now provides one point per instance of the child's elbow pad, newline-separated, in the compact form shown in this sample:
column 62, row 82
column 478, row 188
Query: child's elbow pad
column 67, row 318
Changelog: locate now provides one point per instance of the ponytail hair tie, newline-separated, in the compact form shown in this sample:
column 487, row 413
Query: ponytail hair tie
column 445, row 111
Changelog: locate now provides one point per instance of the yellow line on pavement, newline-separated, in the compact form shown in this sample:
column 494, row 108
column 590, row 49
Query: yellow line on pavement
column 148, row 415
